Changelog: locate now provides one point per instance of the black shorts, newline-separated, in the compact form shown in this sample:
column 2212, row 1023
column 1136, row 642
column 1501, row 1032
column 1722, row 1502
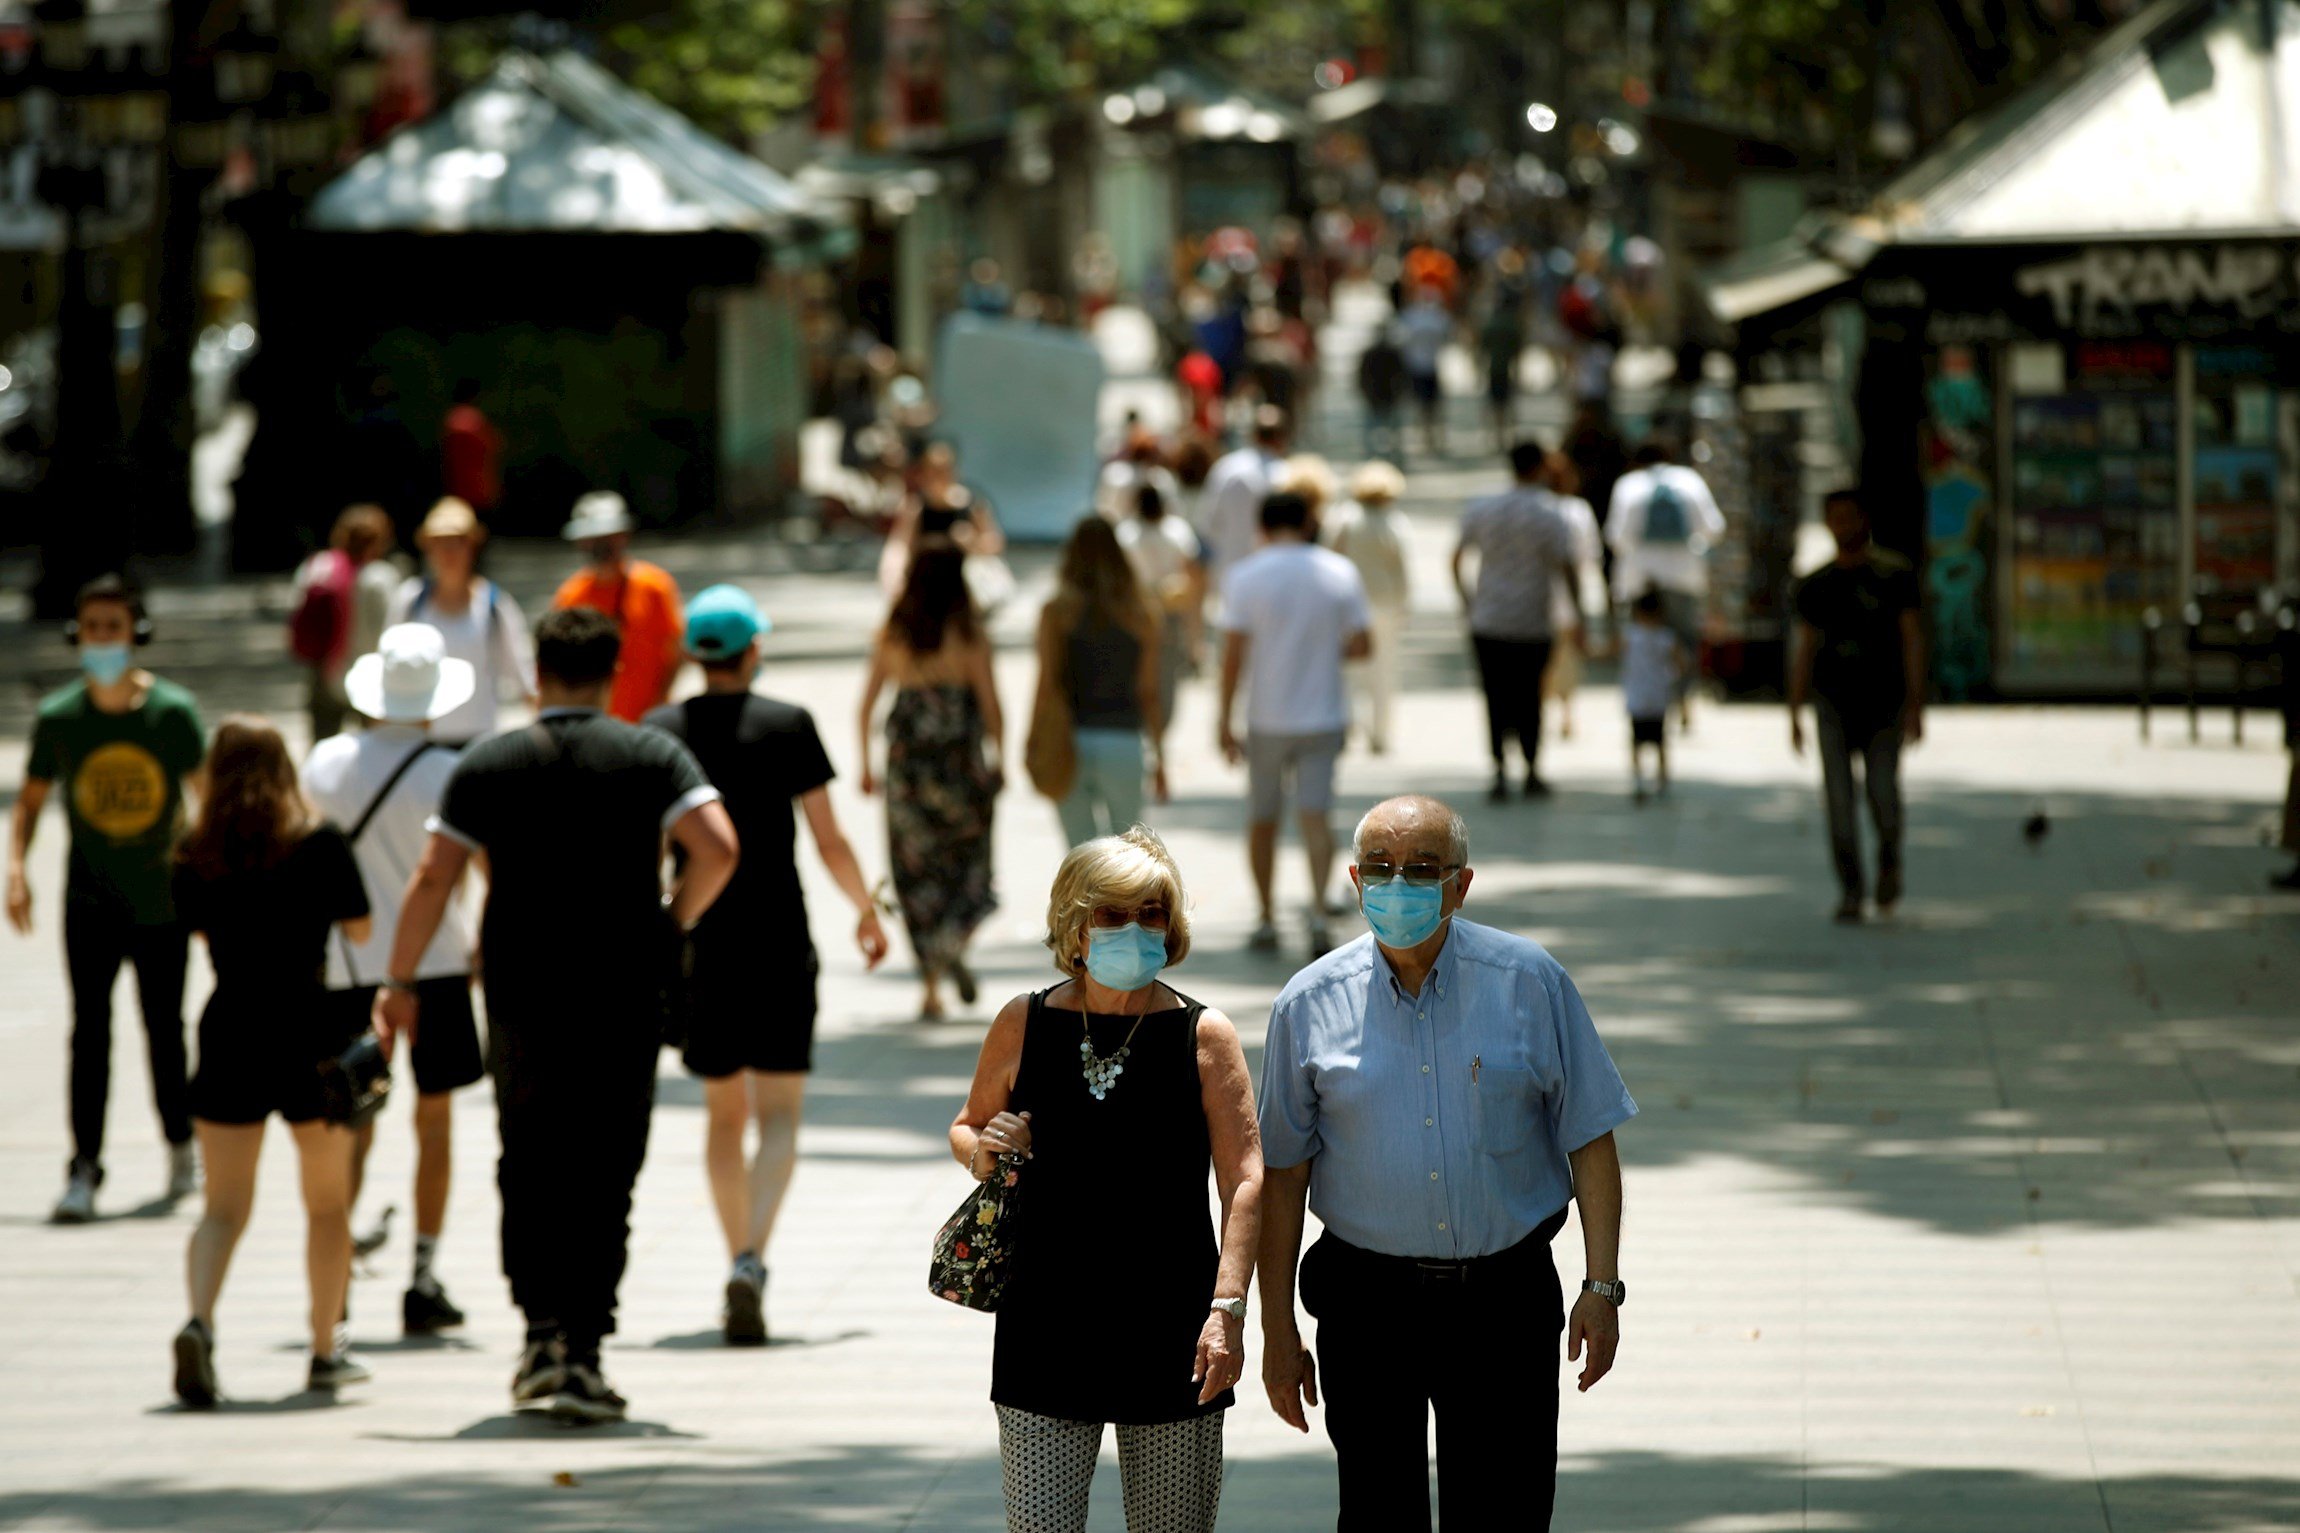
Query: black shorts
column 1425, row 387
column 246, row 1072
column 1646, row 731
column 749, row 1011
column 446, row 1055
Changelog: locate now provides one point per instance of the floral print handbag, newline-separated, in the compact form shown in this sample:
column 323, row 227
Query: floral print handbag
column 974, row 1250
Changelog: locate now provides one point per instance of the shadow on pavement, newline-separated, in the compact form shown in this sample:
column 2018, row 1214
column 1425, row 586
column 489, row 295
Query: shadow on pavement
column 899, row 1489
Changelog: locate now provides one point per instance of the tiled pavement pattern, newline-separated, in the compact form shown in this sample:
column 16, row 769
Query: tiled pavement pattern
column 1985, row 1220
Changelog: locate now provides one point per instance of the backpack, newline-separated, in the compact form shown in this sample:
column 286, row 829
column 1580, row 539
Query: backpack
column 1665, row 518
column 321, row 622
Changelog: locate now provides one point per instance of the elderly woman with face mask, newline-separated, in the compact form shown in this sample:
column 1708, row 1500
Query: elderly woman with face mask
column 1125, row 1307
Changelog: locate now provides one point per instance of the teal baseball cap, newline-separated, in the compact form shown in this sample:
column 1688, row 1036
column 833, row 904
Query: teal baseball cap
column 722, row 621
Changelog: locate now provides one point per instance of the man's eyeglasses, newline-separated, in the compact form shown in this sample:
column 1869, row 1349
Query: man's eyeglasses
column 1418, row 875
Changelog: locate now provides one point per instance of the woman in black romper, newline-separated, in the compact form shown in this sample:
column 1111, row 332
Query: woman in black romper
column 264, row 881
column 1124, row 1307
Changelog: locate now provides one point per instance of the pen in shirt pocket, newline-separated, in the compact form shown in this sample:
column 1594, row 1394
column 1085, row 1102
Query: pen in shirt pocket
column 1476, row 1063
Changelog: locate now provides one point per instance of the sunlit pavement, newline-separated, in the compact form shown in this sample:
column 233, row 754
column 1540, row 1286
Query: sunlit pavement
column 1986, row 1218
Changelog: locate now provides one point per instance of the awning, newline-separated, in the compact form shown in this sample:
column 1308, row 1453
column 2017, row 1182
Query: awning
column 555, row 144
column 2184, row 123
column 1788, row 271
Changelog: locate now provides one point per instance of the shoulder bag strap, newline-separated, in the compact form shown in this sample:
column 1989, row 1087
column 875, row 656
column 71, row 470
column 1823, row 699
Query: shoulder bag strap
column 359, row 828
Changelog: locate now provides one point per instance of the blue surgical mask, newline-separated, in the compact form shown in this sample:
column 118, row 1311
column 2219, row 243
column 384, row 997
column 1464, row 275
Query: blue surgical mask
column 1403, row 915
column 1124, row 957
column 104, row 664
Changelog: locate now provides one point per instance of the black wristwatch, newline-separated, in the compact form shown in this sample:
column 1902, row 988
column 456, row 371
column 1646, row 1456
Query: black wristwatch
column 1613, row 1293
column 402, row 986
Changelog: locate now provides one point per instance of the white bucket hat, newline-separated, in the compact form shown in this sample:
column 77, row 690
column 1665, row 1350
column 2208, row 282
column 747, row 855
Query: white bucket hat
column 600, row 514
column 410, row 679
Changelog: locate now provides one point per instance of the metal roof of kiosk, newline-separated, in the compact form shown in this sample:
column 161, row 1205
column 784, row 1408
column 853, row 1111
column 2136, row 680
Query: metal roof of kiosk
column 555, row 144
column 2184, row 122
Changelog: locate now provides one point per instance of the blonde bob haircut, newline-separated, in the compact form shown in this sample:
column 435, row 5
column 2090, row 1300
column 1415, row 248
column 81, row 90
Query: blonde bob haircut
column 1114, row 871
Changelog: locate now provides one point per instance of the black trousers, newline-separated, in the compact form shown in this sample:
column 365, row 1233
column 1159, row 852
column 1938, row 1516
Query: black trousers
column 1477, row 1343
column 1511, row 672
column 573, row 1109
column 100, row 935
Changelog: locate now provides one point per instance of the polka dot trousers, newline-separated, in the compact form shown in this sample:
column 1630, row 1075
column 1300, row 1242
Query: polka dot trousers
column 1171, row 1473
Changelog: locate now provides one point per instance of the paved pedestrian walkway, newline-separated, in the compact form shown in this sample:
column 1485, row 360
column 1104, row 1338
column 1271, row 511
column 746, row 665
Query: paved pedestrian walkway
column 1986, row 1219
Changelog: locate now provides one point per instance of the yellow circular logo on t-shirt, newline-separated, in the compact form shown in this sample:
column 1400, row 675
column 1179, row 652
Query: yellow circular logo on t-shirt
column 120, row 790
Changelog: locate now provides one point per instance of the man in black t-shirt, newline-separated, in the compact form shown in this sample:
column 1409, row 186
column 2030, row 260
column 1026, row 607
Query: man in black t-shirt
column 579, row 944
column 1861, row 654
column 751, row 992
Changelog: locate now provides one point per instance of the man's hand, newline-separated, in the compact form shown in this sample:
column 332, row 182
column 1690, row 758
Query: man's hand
column 1598, row 1323
column 1232, row 751
column 1289, row 1376
column 871, row 938
column 1158, row 789
column 394, row 1017
column 869, row 781
column 20, row 902
column 1913, row 724
column 1796, row 733
column 1221, row 1355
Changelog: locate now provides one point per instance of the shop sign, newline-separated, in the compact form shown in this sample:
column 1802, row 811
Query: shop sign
column 2167, row 292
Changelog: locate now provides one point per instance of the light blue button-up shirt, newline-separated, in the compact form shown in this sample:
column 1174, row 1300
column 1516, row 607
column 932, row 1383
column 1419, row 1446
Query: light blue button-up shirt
column 1436, row 1125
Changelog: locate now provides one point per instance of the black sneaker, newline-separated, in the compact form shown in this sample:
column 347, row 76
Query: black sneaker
column 746, row 1315
column 963, row 977
column 586, row 1398
column 542, row 1373
column 1888, row 887
column 334, row 1372
column 426, row 1311
column 1499, row 792
column 1848, row 911
column 196, row 1367
column 1535, row 787
column 2289, row 879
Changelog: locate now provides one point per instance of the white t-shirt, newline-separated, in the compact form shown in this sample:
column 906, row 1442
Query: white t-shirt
column 1297, row 604
column 1648, row 669
column 1235, row 489
column 1581, row 522
column 1670, row 554
column 342, row 775
column 499, row 648
column 1161, row 553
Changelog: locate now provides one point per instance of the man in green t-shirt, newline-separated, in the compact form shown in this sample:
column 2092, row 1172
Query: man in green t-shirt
column 124, row 744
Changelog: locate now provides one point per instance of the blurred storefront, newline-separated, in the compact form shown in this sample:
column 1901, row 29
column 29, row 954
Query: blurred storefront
column 2078, row 333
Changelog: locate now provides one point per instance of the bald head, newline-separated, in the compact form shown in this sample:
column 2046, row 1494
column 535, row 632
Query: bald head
column 1412, row 828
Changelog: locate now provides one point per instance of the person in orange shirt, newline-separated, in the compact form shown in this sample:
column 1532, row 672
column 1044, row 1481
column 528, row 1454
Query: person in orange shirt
column 642, row 598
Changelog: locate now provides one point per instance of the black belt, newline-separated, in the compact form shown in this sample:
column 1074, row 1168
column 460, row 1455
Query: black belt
column 1440, row 1271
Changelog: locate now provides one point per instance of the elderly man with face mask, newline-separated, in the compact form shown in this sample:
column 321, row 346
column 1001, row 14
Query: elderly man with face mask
column 1436, row 1093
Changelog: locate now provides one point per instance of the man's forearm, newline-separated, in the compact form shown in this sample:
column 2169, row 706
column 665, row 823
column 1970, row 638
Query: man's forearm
column 1597, row 1192
column 1285, row 1201
column 421, row 910
column 1233, row 663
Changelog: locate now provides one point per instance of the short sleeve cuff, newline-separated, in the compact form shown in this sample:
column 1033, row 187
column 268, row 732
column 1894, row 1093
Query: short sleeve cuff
column 440, row 827
column 1595, row 1126
column 688, row 802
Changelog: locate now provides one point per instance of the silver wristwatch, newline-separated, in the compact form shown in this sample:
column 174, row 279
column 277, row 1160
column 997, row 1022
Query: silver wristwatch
column 1234, row 1308
column 1613, row 1293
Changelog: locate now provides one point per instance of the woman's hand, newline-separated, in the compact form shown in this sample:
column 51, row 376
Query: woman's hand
column 869, row 782
column 1158, row 790
column 1221, row 1355
column 1005, row 1134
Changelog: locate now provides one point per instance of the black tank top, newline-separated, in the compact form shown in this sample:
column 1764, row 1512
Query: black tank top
column 1116, row 1256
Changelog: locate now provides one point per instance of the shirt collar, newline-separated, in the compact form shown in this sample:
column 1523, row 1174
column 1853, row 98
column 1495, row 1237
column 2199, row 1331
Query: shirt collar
column 1440, row 979
column 564, row 713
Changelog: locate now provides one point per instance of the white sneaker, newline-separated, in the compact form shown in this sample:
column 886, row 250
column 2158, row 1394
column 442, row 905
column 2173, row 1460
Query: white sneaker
column 183, row 1172
column 78, row 1204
